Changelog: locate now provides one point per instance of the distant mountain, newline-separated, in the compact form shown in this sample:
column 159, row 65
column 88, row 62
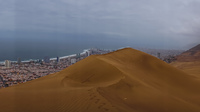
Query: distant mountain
column 126, row 80
column 192, row 54
column 189, row 61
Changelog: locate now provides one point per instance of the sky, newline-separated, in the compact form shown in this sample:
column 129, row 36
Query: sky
column 167, row 24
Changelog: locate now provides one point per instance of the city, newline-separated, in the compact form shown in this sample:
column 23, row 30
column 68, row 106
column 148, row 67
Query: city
column 16, row 72
column 12, row 73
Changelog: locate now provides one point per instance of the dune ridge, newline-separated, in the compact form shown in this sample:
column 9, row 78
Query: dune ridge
column 126, row 80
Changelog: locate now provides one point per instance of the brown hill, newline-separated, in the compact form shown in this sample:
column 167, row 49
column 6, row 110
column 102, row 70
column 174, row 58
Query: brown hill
column 123, row 81
column 192, row 54
column 189, row 61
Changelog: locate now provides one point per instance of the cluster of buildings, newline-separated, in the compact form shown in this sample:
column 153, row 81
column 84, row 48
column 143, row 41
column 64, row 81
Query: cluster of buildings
column 166, row 55
column 15, row 72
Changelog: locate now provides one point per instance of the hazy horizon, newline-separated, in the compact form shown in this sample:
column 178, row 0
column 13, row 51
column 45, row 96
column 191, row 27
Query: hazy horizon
column 65, row 26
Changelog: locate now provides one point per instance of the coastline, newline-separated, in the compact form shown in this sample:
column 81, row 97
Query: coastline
column 51, row 59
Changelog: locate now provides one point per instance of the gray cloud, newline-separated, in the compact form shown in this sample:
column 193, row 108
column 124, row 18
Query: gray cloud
column 167, row 22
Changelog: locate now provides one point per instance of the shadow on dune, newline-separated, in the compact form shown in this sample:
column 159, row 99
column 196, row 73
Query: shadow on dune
column 126, row 80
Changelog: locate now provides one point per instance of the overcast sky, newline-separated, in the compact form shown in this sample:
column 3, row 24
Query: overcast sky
column 149, row 23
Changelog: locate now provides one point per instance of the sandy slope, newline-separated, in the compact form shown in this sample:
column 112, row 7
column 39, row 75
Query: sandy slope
column 192, row 68
column 123, row 81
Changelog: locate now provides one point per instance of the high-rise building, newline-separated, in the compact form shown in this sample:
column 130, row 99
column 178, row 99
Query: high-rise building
column 88, row 53
column 73, row 61
column 58, row 59
column 158, row 55
column 18, row 60
column 46, row 59
column 7, row 64
column 40, row 61
column 78, row 55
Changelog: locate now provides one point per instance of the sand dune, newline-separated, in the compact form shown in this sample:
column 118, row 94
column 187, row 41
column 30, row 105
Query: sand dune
column 192, row 68
column 126, row 80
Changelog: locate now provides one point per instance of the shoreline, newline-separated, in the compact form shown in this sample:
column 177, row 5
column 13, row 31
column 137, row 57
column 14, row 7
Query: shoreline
column 51, row 59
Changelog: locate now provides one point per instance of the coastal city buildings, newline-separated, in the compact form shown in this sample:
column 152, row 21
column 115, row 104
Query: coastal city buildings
column 88, row 53
column 158, row 55
column 19, row 60
column 57, row 59
column 7, row 64
column 73, row 61
column 12, row 73
column 46, row 59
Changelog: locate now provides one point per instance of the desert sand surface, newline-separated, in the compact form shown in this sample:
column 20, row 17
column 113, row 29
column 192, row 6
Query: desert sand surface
column 126, row 80
column 192, row 68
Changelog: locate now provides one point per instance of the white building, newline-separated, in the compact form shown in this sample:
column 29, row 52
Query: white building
column 88, row 53
column 73, row 61
column 7, row 64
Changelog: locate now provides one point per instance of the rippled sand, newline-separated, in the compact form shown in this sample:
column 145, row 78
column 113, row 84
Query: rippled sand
column 126, row 80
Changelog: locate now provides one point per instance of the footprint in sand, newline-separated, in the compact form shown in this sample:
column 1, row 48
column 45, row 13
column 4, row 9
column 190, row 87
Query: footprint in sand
column 99, row 106
column 92, row 97
column 89, row 89
column 97, row 101
column 106, row 109
column 102, row 104
column 113, row 106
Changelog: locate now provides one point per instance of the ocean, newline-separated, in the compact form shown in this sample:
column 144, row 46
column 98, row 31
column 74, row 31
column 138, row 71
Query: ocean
column 38, row 48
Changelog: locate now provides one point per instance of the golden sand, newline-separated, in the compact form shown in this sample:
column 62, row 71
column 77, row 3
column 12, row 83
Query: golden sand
column 126, row 80
column 192, row 68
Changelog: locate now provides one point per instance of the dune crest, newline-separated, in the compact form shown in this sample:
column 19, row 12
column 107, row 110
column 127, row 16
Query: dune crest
column 126, row 80
column 92, row 72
